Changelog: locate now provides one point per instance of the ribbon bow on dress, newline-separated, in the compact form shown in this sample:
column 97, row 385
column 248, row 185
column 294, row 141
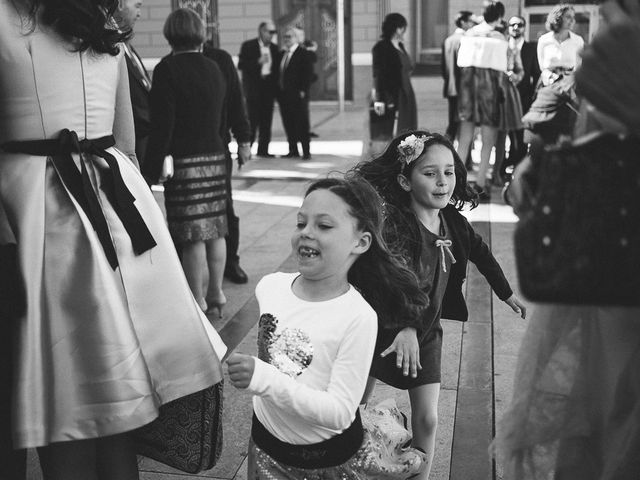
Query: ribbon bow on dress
column 444, row 245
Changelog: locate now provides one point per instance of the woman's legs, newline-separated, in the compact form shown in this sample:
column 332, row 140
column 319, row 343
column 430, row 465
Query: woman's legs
column 194, row 257
column 465, row 139
column 498, row 165
column 489, row 136
column 108, row 458
column 216, row 251
column 424, row 421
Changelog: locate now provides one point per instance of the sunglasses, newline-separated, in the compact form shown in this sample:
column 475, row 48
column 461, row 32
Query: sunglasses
column 272, row 32
column 519, row 24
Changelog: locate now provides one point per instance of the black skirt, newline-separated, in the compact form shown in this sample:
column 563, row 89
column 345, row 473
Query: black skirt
column 385, row 369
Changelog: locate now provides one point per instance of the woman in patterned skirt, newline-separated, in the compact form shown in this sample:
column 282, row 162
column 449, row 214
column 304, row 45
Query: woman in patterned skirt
column 186, row 103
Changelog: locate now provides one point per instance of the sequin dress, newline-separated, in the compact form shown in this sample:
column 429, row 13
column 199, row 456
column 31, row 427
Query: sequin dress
column 105, row 339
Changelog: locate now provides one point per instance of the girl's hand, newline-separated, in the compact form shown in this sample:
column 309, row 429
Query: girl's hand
column 407, row 351
column 516, row 305
column 241, row 369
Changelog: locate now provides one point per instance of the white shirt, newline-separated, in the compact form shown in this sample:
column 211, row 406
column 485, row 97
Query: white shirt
column 516, row 43
column 322, row 401
column 265, row 50
column 553, row 54
column 482, row 47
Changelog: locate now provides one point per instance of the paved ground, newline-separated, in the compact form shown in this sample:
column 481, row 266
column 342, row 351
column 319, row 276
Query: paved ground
column 478, row 357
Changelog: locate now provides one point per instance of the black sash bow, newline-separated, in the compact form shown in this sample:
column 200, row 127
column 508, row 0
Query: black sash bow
column 79, row 184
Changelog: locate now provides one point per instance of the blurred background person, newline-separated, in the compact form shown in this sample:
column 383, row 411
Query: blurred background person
column 235, row 120
column 526, row 89
column 559, row 48
column 510, row 107
column 392, row 67
column 450, row 70
column 483, row 59
column 126, row 15
column 257, row 62
column 187, row 103
column 575, row 411
column 295, row 75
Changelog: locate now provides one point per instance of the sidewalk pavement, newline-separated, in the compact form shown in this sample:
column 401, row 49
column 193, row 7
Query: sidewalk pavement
column 478, row 356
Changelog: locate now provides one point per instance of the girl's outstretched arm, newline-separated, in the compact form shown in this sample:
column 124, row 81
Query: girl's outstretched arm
column 516, row 305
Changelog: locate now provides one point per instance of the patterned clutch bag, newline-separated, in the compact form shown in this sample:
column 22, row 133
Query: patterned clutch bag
column 187, row 434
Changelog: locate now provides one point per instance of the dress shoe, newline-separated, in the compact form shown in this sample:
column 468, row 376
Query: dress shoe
column 306, row 156
column 236, row 274
column 216, row 304
column 265, row 155
column 291, row 155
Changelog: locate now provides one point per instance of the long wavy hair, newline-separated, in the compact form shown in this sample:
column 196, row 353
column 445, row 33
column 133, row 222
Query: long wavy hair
column 383, row 279
column 86, row 24
column 402, row 231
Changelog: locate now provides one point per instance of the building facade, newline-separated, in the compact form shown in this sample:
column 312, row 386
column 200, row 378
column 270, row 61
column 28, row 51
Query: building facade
column 231, row 22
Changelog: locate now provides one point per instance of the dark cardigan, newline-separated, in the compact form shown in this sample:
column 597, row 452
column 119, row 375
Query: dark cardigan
column 468, row 246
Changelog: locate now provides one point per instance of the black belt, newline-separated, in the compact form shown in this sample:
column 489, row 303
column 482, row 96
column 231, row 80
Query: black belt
column 79, row 184
column 329, row 453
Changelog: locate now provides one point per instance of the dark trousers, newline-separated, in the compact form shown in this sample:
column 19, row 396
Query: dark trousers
column 233, row 222
column 295, row 119
column 518, row 148
column 260, row 101
column 12, row 462
column 454, row 120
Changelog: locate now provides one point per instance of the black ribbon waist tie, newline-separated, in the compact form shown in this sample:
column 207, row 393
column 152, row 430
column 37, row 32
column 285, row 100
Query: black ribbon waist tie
column 329, row 453
column 79, row 184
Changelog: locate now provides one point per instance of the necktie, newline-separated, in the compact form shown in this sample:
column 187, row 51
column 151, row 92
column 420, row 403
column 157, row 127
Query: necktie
column 283, row 67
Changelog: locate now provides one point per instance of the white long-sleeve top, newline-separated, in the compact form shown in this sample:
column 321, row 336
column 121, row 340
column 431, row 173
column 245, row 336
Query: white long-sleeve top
column 322, row 401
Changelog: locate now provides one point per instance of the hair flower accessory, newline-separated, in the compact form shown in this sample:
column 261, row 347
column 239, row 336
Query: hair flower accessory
column 411, row 148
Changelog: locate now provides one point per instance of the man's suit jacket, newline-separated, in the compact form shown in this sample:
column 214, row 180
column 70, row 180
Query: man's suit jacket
column 449, row 65
column 248, row 63
column 139, row 88
column 527, row 85
column 297, row 77
column 234, row 114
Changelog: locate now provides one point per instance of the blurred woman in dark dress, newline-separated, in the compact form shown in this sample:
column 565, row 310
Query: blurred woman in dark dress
column 392, row 76
column 187, row 97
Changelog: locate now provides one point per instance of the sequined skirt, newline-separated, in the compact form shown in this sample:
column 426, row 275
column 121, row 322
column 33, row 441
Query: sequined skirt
column 384, row 453
column 196, row 198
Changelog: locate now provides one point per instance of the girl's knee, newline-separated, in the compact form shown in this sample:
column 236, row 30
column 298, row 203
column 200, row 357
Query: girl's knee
column 426, row 421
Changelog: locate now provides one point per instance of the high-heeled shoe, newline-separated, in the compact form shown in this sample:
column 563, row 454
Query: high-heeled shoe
column 214, row 304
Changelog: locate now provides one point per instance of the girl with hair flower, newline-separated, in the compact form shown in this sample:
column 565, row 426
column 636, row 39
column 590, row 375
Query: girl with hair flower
column 424, row 186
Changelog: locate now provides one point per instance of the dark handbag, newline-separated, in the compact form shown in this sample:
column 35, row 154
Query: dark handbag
column 578, row 238
column 382, row 127
column 187, row 434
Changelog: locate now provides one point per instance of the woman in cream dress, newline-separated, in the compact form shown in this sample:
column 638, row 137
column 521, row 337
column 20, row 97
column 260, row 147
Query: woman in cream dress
column 110, row 330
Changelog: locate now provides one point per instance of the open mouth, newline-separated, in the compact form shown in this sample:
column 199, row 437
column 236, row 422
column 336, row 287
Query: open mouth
column 308, row 252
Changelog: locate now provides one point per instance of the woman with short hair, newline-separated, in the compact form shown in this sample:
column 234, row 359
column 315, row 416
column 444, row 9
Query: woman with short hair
column 186, row 104
column 558, row 48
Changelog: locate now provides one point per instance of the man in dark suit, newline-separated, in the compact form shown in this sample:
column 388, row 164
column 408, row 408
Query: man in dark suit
column 526, row 87
column 257, row 62
column 234, row 119
column 295, row 75
column 126, row 15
